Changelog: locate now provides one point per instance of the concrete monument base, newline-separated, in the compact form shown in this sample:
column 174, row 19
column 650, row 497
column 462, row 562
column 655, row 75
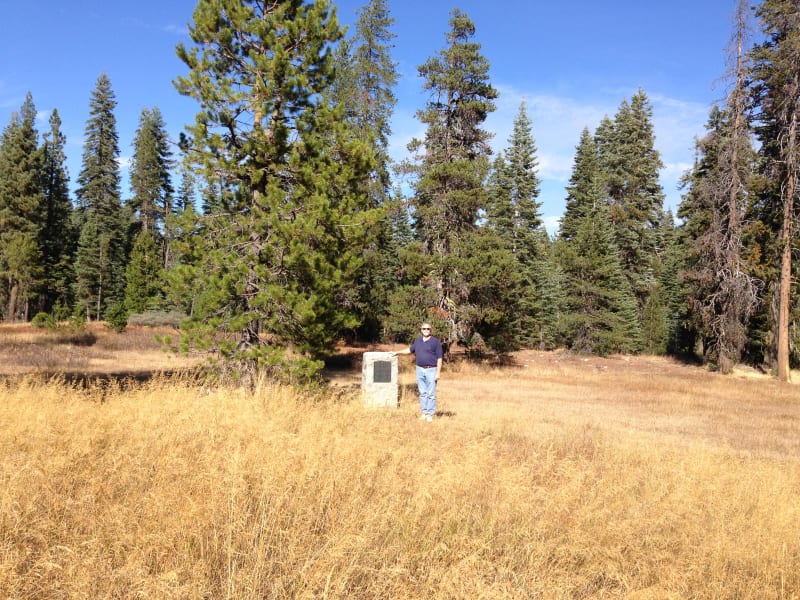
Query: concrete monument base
column 379, row 384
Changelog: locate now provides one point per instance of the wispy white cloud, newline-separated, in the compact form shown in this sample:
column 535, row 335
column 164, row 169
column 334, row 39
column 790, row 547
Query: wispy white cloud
column 10, row 98
column 43, row 117
column 179, row 30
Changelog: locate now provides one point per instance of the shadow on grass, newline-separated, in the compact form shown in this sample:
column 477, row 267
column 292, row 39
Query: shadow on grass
column 103, row 382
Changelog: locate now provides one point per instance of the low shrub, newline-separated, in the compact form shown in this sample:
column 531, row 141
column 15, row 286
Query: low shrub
column 43, row 320
column 157, row 318
column 117, row 317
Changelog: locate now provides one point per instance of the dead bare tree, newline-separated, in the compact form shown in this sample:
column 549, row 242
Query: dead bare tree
column 725, row 295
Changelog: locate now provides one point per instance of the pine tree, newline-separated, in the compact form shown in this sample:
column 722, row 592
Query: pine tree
column 630, row 165
column 500, row 208
column 663, row 308
column 601, row 315
column 449, row 192
column 152, row 204
column 100, row 262
column 143, row 275
column 522, row 176
column 775, row 90
column 369, row 77
column 514, row 214
column 187, row 189
column 21, row 259
column 151, row 182
column 283, row 236
column 585, row 187
column 57, row 237
column 547, row 310
column 183, row 277
column 364, row 82
column 721, row 294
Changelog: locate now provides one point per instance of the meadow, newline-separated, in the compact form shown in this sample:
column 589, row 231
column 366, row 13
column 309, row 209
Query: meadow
column 554, row 476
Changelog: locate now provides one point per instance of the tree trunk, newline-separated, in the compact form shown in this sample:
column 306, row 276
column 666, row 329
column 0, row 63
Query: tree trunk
column 11, row 315
column 786, row 253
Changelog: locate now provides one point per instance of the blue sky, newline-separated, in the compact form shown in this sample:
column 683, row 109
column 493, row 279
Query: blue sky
column 571, row 61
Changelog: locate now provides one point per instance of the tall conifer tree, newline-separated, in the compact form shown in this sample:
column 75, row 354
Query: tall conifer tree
column 58, row 238
column 100, row 263
column 721, row 295
column 21, row 259
column 283, row 238
column 151, row 181
column 143, row 290
column 366, row 87
column 630, row 165
column 775, row 88
column 365, row 78
column 585, row 187
column 151, row 204
column 514, row 213
column 449, row 191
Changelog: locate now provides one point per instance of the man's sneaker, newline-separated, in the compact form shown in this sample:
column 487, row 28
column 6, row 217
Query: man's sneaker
column 422, row 417
column 429, row 419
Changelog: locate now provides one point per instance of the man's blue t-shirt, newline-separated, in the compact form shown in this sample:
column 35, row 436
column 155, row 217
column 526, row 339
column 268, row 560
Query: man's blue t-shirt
column 427, row 353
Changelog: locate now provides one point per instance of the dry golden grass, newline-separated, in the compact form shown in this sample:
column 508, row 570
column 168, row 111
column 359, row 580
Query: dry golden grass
column 96, row 350
column 568, row 478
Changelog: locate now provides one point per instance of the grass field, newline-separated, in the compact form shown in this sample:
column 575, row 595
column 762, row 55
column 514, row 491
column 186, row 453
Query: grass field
column 557, row 477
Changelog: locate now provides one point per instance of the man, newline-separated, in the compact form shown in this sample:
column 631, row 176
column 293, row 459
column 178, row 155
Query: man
column 428, row 352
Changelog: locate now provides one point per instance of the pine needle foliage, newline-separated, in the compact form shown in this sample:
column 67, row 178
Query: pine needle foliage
column 282, row 236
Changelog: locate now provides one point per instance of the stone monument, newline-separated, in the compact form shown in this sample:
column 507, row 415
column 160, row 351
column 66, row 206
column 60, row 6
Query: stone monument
column 379, row 379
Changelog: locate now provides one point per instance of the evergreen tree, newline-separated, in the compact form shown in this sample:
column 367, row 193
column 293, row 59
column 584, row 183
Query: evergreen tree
column 283, row 237
column 450, row 191
column 57, row 237
column 585, row 187
column 601, row 315
column 21, row 259
column 775, row 90
column 547, row 310
column 631, row 165
column 151, row 182
column 663, row 308
column 500, row 208
column 522, row 163
column 365, row 78
column 91, row 263
column 721, row 294
column 187, row 188
column 143, row 275
column 491, row 300
column 100, row 262
column 514, row 214
column 151, row 204
column 366, row 84
column 183, row 277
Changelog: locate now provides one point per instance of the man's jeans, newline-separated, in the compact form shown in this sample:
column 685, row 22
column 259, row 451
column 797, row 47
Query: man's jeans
column 426, row 384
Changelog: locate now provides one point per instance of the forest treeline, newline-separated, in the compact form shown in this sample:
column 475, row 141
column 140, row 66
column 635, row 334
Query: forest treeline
column 278, row 224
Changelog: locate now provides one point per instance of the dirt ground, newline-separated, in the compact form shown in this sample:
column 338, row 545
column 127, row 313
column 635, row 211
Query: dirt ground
column 656, row 398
